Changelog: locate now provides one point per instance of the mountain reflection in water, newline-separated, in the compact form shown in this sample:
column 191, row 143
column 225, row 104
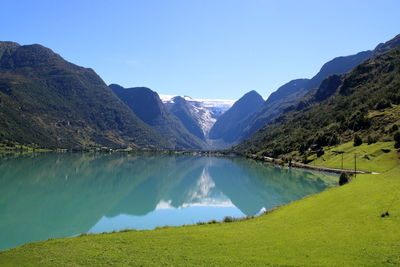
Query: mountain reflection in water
column 62, row 195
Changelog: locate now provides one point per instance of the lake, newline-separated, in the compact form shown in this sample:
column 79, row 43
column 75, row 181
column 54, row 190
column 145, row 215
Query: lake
column 65, row 194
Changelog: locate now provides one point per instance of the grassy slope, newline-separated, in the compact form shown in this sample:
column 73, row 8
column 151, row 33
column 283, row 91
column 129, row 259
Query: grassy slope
column 369, row 157
column 341, row 226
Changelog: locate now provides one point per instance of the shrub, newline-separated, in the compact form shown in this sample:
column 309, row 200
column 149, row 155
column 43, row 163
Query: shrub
column 228, row 219
column 383, row 104
column 371, row 139
column 396, row 138
column 304, row 159
column 344, row 178
column 212, row 221
column 357, row 140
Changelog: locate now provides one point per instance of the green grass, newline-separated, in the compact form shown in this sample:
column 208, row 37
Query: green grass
column 338, row 227
column 21, row 149
column 369, row 157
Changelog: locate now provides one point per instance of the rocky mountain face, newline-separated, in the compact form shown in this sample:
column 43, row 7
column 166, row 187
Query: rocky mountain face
column 47, row 101
column 195, row 120
column 147, row 105
column 197, row 115
column 230, row 125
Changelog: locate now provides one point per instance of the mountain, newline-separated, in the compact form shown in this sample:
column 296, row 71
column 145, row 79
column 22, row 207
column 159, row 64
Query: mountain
column 197, row 115
column 147, row 105
column 230, row 125
column 192, row 120
column 291, row 92
column 47, row 101
column 294, row 90
column 363, row 102
column 384, row 47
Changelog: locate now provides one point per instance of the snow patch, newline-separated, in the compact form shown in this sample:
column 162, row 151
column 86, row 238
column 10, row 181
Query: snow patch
column 205, row 111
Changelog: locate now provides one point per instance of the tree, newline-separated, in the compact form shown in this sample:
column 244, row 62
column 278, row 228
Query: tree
column 357, row 140
column 371, row 139
column 344, row 178
column 396, row 138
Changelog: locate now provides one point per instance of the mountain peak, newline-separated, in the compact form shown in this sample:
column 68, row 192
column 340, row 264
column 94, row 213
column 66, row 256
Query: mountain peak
column 7, row 47
column 8, row 44
column 392, row 43
column 230, row 125
column 147, row 105
column 115, row 86
column 252, row 97
column 383, row 47
column 144, row 102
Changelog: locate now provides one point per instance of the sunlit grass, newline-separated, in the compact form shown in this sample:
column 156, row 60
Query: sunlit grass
column 377, row 157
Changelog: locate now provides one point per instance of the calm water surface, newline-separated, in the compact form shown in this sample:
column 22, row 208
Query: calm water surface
column 62, row 195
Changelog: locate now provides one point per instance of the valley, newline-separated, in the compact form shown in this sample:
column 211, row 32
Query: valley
column 113, row 167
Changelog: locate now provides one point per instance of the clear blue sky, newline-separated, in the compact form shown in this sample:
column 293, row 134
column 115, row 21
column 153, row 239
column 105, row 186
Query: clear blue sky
column 201, row 48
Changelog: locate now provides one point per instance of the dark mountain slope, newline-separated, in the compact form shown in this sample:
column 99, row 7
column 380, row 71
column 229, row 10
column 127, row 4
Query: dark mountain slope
column 284, row 97
column 231, row 124
column 294, row 90
column 287, row 89
column 337, row 65
column 147, row 105
column 183, row 111
column 384, row 47
column 364, row 101
column 50, row 102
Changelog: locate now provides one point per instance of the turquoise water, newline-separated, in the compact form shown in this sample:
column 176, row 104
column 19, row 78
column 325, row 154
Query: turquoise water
column 62, row 195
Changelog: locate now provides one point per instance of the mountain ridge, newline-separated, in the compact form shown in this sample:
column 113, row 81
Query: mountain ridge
column 276, row 105
column 229, row 125
column 78, row 109
column 363, row 102
column 147, row 105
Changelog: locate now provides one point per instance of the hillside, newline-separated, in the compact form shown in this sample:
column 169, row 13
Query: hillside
column 230, row 125
column 147, row 105
column 186, row 113
column 47, row 101
column 293, row 91
column 197, row 115
column 364, row 101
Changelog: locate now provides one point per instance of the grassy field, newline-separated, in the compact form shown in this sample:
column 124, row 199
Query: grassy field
column 341, row 226
column 377, row 157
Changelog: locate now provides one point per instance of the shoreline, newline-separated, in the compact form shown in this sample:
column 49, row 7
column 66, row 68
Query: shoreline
column 271, row 160
column 307, row 166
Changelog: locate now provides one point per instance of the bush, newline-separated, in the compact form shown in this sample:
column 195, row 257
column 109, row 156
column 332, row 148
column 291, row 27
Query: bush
column 396, row 138
column 344, row 178
column 383, row 104
column 357, row 140
column 304, row 159
column 228, row 219
column 371, row 139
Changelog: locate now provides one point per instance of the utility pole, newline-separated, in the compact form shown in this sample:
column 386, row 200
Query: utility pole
column 355, row 165
column 340, row 152
column 342, row 160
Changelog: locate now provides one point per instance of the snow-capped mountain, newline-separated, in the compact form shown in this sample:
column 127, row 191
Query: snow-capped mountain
column 198, row 115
